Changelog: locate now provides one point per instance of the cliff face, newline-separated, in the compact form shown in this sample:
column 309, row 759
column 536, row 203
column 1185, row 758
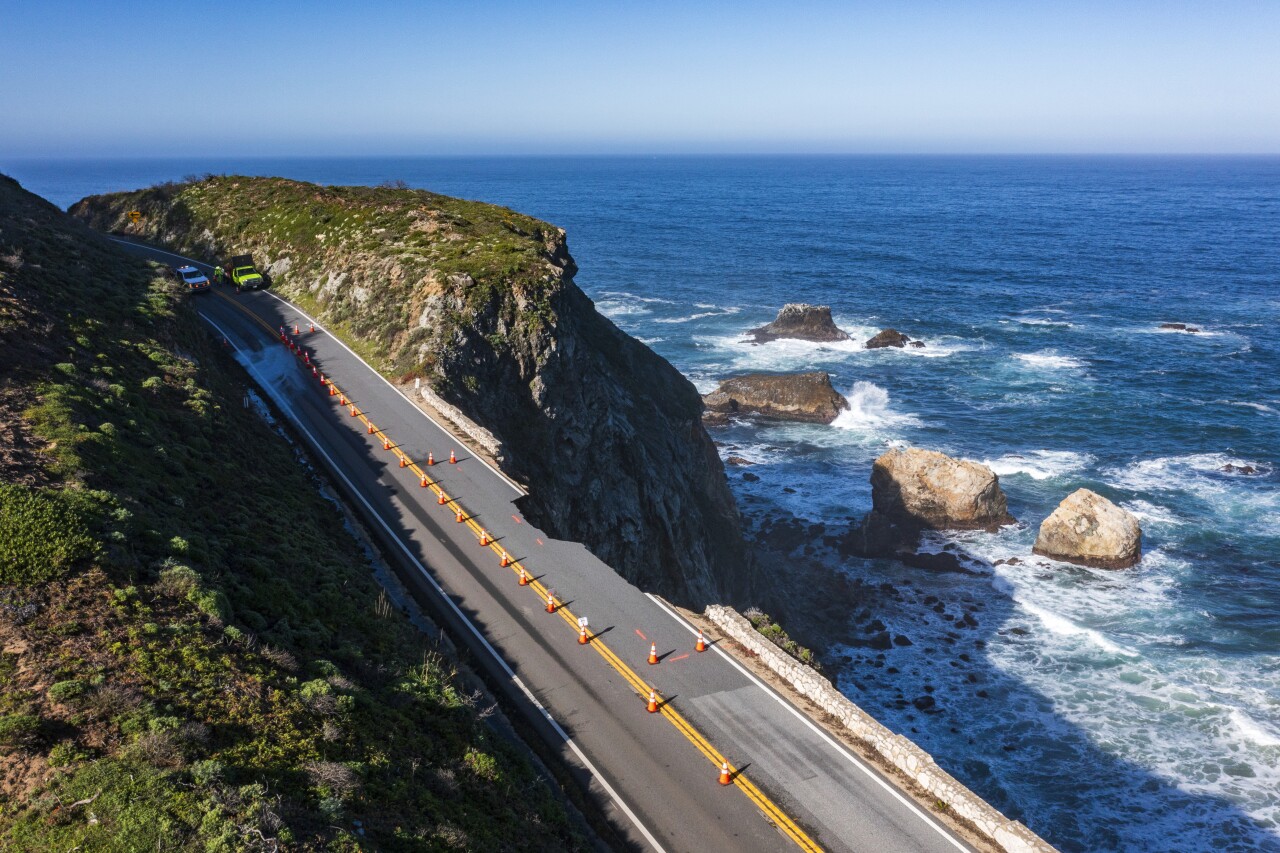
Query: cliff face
column 479, row 302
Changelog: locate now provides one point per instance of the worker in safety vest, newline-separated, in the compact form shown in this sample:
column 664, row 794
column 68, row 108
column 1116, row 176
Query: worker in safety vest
column 217, row 275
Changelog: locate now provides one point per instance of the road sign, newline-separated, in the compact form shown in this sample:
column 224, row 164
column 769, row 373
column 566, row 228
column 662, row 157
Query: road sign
column 135, row 215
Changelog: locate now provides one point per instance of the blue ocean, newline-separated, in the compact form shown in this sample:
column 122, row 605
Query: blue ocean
column 1130, row 710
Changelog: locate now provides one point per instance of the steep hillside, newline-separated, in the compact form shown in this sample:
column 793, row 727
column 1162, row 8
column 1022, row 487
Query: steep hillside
column 479, row 302
column 193, row 653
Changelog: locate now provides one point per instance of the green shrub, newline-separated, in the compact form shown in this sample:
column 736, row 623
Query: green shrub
column 66, row 753
column 65, row 691
column 177, row 580
column 207, row 772
column 44, row 533
column 18, row 730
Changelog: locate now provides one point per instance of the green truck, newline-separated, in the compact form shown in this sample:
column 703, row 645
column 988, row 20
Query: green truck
column 242, row 273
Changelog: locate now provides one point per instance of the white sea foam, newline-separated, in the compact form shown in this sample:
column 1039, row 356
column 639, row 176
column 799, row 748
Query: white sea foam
column 1152, row 513
column 1039, row 464
column 777, row 355
column 1253, row 731
column 622, row 294
column 941, row 347
column 1201, row 474
column 1261, row 407
column 869, row 410
column 719, row 312
column 1043, row 321
column 1049, row 360
column 1064, row 627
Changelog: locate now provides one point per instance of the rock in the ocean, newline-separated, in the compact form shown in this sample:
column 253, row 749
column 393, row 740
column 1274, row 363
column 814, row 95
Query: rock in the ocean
column 801, row 322
column 786, row 396
column 1179, row 327
column 914, row 490
column 1232, row 468
column 888, row 338
column 1089, row 530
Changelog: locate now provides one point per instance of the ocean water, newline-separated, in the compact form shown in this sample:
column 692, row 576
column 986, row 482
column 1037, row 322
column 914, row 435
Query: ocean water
column 1135, row 710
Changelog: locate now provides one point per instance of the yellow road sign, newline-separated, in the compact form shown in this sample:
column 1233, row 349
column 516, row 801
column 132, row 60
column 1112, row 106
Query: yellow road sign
column 135, row 215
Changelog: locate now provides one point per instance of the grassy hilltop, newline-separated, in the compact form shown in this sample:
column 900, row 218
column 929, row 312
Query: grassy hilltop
column 479, row 303
column 193, row 654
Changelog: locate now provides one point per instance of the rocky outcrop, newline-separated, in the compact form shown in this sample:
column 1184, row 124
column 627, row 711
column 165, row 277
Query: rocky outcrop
column 801, row 322
column 1089, row 530
column 915, row 490
column 805, row 397
column 1179, row 327
column 479, row 303
column 888, row 338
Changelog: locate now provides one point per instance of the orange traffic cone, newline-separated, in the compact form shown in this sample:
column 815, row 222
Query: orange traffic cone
column 352, row 409
column 314, row 371
column 306, row 357
column 551, row 603
column 524, row 577
column 295, row 329
column 701, row 645
column 653, row 653
column 372, row 428
column 484, row 538
column 404, row 462
column 653, row 701
column 582, row 635
column 725, row 778
column 506, row 560
column 440, row 500
column 386, row 443
column 453, row 460
column 431, row 460
column 333, row 391
column 459, row 517
column 424, row 481
column 312, row 327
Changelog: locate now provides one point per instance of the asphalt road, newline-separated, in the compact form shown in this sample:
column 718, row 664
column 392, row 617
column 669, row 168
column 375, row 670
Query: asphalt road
column 655, row 776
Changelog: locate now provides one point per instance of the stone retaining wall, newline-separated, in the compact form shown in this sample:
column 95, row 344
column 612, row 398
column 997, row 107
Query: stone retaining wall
column 918, row 765
column 468, row 427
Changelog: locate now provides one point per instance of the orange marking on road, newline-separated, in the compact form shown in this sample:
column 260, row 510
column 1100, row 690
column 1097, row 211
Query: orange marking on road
column 642, row 636
column 539, row 541
column 681, row 657
column 515, row 519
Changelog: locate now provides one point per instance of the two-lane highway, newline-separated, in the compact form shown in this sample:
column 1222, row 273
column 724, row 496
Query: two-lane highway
column 655, row 775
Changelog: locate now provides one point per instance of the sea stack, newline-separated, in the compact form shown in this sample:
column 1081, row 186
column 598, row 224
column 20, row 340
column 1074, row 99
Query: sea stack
column 888, row 338
column 802, row 322
column 1089, row 530
column 915, row 490
column 805, row 397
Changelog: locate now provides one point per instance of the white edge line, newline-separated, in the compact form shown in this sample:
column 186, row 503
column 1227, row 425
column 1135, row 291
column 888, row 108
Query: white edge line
column 855, row 760
column 477, row 456
column 297, row 422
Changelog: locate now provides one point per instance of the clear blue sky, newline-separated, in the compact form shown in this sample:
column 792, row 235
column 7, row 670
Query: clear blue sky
column 381, row 77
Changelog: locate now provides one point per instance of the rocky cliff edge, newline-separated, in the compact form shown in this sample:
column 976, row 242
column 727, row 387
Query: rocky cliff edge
column 479, row 303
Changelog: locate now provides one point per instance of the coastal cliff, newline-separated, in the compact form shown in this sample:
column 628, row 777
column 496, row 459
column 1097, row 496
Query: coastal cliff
column 479, row 303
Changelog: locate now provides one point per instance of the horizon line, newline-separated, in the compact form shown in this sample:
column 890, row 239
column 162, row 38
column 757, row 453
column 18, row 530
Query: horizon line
column 654, row 155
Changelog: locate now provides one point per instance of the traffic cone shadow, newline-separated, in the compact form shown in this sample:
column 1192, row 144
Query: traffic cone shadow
column 727, row 776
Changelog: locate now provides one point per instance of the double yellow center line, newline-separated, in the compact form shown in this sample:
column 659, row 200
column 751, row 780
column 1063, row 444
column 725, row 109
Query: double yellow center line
column 642, row 689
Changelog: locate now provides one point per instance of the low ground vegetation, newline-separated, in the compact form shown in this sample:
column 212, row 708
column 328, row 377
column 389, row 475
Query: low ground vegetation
column 192, row 652
column 774, row 633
